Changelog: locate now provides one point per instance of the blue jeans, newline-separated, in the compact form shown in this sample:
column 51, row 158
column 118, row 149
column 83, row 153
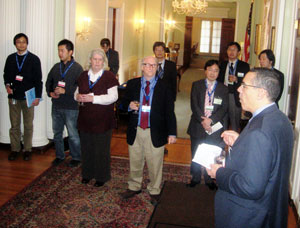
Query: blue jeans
column 68, row 118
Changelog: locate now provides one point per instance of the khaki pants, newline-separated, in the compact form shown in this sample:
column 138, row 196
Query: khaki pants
column 142, row 150
column 15, row 109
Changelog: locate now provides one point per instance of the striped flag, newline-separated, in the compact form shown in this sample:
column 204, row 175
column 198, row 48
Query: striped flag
column 246, row 54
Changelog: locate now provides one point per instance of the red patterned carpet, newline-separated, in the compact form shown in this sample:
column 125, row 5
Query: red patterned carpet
column 58, row 199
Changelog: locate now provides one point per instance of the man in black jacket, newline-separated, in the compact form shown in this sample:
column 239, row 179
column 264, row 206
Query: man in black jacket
column 149, row 128
column 231, row 74
column 22, row 72
column 166, row 69
column 60, row 86
column 112, row 56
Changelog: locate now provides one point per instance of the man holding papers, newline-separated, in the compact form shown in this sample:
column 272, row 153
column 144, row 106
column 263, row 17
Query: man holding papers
column 61, row 85
column 209, row 104
column 22, row 72
column 253, row 185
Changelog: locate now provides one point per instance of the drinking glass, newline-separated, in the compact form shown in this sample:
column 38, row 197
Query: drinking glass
column 137, row 104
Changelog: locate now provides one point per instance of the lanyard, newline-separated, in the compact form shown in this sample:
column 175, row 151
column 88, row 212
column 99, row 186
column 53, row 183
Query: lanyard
column 210, row 93
column 92, row 85
column 234, row 68
column 107, row 54
column 65, row 72
column 151, row 89
column 18, row 64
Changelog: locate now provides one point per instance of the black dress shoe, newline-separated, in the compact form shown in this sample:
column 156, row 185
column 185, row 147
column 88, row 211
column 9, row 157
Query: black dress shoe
column 99, row 184
column 129, row 193
column 27, row 156
column 13, row 155
column 85, row 181
column 154, row 199
column 192, row 184
column 73, row 163
column 57, row 161
column 212, row 186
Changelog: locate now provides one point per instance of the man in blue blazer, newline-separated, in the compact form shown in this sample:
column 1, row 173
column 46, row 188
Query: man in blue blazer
column 151, row 125
column 253, row 185
column 112, row 56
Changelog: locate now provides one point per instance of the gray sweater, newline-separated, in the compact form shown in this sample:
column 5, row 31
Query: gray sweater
column 65, row 101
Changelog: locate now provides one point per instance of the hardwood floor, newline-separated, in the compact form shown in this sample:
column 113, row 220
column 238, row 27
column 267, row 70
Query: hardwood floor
column 15, row 175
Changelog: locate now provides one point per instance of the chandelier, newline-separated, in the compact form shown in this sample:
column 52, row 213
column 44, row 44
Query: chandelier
column 189, row 7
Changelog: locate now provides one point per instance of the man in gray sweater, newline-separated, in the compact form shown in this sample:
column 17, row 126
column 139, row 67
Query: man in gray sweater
column 60, row 86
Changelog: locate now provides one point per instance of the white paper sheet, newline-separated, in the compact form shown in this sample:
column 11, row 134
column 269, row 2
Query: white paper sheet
column 215, row 128
column 206, row 153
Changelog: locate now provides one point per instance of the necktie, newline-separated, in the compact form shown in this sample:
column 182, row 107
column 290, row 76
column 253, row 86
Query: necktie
column 231, row 69
column 207, row 103
column 145, row 115
column 159, row 68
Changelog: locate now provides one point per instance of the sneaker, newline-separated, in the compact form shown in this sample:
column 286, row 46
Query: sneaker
column 13, row 155
column 57, row 161
column 74, row 163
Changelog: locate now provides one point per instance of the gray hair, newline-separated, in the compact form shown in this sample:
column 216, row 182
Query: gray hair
column 100, row 52
column 143, row 59
column 267, row 79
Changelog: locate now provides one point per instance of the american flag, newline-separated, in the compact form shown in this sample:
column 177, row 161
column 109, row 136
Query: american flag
column 246, row 54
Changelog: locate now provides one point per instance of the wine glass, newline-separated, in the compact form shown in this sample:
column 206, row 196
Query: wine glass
column 137, row 103
column 221, row 158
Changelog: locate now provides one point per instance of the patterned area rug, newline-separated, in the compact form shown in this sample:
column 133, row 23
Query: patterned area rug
column 58, row 199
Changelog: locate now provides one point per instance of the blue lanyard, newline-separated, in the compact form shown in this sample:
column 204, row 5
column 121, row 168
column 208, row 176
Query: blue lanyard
column 92, row 85
column 18, row 64
column 234, row 68
column 65, row 72
column 147, row 97
column 210, row 93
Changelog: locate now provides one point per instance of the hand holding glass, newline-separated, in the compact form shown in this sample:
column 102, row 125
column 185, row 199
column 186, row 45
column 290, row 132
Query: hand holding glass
column 137, row 105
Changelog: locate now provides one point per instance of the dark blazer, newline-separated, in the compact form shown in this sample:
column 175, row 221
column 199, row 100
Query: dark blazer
column 242, row 69
column 113, row 60
column 253, row 188
column 281, row 82
column 162, row 116
column 170, row 77
column 198, row 92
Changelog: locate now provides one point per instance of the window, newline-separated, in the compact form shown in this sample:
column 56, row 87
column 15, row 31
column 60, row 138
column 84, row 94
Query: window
column 210, row 36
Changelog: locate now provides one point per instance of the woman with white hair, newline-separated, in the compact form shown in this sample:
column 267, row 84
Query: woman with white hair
column 97, row 91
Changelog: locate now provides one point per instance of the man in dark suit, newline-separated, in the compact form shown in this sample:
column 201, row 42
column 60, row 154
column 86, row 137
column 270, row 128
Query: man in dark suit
column 209, row 104
column 112, row 56
column 152, row 124
column 231, row 74
column 253, row 185
column 267, row 60
column 166, row 69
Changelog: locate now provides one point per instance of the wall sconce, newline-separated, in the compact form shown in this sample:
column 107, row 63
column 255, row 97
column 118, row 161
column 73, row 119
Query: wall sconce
column 139, row 25
column 83, row 34
column 169, row 24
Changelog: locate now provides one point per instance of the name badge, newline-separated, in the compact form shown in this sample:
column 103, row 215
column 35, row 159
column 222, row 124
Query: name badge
column 240, row 74
column 146, row 108
column 209, row 107
column 61, row 84
column 19, row 78
column 218, row 101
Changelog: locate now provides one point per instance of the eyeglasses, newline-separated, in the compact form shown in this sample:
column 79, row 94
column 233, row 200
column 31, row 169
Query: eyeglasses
column 245, row 85
column 149, row 65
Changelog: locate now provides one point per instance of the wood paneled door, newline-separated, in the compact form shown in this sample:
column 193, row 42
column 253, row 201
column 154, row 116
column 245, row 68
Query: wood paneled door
column 227, row 36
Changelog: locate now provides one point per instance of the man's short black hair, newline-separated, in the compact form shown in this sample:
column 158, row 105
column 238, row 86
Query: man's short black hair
column 159, row 44
column 18, row 36
column 105, row 42
column 234, row 44
column 270, row 55
column 68, row 43
column 210, row 63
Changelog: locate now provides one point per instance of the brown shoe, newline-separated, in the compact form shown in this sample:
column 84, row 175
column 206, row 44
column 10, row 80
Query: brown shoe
column 154, row 199
column 129, row 193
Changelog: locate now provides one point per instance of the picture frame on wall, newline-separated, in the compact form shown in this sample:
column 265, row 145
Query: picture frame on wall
column 257, row 39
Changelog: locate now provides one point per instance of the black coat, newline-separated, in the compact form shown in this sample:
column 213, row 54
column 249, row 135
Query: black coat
column 162, row 116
